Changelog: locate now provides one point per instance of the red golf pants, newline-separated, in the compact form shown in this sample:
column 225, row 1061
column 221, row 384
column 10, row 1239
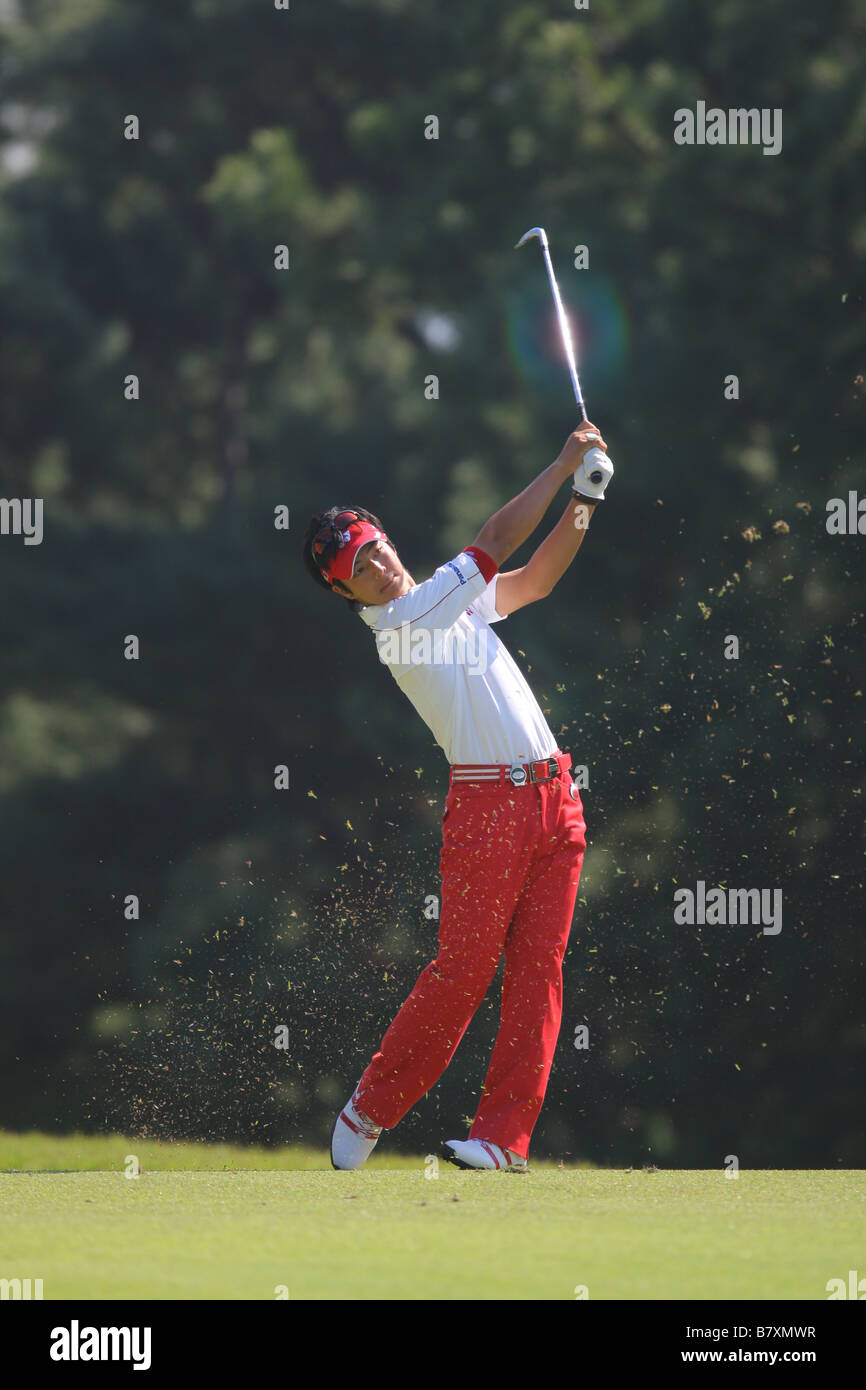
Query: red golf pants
column 510, row 863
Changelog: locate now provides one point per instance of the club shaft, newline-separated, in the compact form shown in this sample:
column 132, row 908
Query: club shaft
column 565, row 330
column 594, row 458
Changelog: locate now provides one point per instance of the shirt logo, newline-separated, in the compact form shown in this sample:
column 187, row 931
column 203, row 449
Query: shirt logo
column 452, row 566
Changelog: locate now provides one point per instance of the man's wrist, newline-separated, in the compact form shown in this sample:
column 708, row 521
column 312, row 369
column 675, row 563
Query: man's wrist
column 590, row 501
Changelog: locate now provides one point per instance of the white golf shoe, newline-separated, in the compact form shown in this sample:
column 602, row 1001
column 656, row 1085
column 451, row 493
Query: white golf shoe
column 478, row 1153
column 354, row 1139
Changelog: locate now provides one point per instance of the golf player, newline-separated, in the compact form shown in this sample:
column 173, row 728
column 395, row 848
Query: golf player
column 513, row 831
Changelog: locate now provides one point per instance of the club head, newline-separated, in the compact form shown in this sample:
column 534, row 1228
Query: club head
column 533, row 231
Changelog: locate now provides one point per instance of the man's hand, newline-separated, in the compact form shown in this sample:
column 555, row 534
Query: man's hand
column 579, row 443
column 590, row 477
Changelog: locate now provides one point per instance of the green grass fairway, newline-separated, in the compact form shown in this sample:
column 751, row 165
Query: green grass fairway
column 214, row 1222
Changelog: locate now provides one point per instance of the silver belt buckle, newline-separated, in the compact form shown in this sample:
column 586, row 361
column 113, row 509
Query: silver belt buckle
column 517, row 773
column 547, row 775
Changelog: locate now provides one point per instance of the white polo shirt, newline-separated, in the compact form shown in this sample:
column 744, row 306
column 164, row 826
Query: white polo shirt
column 445, row 656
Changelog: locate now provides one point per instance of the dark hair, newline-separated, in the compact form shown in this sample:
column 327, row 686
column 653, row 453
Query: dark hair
column 316, row 523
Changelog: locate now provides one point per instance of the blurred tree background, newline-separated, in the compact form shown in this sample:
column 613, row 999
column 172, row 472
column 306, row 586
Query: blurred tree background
column 262, row 388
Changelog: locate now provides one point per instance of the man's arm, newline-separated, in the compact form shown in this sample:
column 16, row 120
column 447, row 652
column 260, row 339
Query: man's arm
column 535, row 580
column 509, row 527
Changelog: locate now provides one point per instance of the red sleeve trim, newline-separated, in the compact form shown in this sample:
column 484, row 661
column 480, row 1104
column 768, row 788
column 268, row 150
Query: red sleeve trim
column 487, row 566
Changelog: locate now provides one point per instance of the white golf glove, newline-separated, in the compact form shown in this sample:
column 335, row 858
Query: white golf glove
column 593, row 474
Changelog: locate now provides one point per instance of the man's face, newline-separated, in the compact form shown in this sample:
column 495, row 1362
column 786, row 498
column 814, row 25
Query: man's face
column 379, row 576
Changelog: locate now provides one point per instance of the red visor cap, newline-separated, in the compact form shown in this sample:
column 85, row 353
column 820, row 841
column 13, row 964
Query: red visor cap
column 360, row 533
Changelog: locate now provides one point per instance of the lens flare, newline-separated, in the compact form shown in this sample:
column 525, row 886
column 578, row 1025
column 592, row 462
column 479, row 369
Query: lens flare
column 600, row 330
